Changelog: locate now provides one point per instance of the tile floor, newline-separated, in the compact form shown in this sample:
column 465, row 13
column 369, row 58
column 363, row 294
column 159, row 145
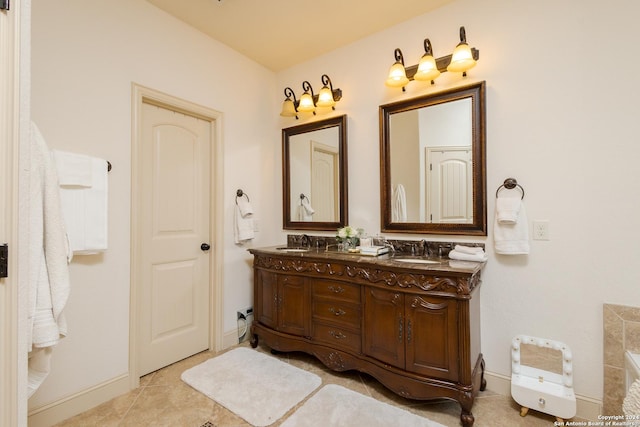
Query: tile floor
column 164, row 400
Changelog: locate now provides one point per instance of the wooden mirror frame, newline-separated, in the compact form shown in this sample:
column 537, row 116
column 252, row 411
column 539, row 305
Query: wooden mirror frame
column 478, row 227
column 288, row 224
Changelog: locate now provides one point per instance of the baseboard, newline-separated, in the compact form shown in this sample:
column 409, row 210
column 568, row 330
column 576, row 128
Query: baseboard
column 587, row 407
column 60, row 410
column 230, row 339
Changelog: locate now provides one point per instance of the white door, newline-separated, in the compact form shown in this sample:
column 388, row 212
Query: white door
column 174, row 208
column 324, row 182
column 449, row 186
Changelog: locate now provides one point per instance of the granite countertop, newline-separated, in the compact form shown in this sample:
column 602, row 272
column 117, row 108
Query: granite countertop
column 395, row 260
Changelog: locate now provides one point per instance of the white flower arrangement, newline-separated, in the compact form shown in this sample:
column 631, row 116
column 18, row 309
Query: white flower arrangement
column 348, row 232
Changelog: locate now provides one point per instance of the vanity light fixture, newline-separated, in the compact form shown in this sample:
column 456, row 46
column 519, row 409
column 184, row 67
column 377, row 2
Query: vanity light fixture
column 462, row 58
column 307, row 103
column 429, row 68
column 289, row 105
column 326, row 98
column 397, row 73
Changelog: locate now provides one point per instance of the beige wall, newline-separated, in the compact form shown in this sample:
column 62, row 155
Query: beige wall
column 560, row 119
column 86, row 54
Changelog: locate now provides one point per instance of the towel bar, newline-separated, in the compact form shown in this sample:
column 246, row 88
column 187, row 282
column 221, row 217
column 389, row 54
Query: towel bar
column 509, row 184
column 240, row 193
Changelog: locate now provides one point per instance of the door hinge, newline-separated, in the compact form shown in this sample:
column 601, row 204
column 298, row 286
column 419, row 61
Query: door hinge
column 4, row 4
column 4, row 260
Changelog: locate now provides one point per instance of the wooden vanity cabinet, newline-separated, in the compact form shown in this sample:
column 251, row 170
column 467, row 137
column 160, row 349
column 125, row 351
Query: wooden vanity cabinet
column 416, row 330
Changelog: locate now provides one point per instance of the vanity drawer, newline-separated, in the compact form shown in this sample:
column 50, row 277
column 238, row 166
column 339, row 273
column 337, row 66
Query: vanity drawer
column 336, row 312
column 336, row 290
column 337, row 337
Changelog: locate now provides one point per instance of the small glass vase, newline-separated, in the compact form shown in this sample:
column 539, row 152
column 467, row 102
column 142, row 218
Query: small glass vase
column 349, row 243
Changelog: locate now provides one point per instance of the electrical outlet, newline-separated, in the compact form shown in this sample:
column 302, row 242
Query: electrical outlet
column 541, row 230
column 244, row 313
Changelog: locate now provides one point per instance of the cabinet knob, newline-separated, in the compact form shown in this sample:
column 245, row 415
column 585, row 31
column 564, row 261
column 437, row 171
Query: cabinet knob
column 337, row 335
column 337, row 312
column 337, row 290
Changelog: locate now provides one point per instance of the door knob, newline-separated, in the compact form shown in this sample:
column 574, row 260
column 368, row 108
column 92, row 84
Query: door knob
column 205, row 247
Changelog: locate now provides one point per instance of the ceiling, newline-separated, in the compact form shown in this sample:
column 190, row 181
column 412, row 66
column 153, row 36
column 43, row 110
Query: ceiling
column 281, row 33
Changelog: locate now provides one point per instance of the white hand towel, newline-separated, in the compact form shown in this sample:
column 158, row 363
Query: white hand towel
column 507, row 209
column 469, row 249
column 399, row 204
column 512, row 238
column 302, row 214
column 307, row 207
column 245, row 206
column 243, row 227
column 461, row 256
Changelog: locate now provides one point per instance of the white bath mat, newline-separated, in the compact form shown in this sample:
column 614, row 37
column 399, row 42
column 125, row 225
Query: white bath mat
column 253, row 385
column 337, row 406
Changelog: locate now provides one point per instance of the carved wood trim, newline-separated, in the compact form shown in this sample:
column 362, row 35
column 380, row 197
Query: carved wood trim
column 461, row 285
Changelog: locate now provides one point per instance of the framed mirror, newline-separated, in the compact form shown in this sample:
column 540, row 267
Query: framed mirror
column 314, row 175
column 432, row 163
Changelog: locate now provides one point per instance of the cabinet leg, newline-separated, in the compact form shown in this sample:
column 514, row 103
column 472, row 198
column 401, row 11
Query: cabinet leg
column 467, row 419
column 523, row 411
column 253, row 341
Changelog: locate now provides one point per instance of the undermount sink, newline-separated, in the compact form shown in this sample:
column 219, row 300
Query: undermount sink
column 416, row 260
column 285, row 249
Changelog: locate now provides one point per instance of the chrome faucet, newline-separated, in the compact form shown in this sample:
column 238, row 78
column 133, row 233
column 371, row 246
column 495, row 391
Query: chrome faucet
column 389, row 245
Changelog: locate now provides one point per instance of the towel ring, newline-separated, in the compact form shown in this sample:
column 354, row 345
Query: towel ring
column 302, row 197
column 510, row 184
column 240, row 193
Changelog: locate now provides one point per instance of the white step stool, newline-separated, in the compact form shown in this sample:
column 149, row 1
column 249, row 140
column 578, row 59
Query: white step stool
column 539, row 389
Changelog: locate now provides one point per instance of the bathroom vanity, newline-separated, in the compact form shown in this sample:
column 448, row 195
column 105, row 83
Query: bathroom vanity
column 413, row 323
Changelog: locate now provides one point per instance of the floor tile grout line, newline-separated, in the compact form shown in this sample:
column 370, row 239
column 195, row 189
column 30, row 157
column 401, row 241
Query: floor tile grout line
column 142, row 389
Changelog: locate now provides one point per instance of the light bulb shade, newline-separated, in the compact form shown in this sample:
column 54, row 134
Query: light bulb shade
column 288, row 108
column 325, row 98
column 306, row 103
column 427, row 69
column 397, row 76
column 461, row 59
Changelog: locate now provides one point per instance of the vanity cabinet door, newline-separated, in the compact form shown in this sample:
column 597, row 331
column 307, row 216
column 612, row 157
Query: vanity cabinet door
column 266, row 298
column 293, row 305
column 432, row 336
column 383, row 331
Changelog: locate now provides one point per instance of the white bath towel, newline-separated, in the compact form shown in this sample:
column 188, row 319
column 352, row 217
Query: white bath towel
column 461, row 256
column 48, row 279
column 242, row 226
column 511, row 238
column 507, row 209
column 399, row 204
column 84, row 207
column 73, row 169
